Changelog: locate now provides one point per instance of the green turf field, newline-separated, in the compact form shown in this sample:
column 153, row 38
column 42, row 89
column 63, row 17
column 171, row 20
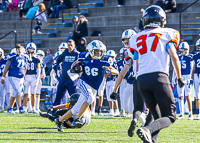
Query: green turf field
column 32, row 128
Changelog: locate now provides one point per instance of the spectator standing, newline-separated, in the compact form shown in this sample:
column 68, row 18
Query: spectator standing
column 120, row 3
column 48, row 61
column 81, row 30
column 81, row 47
column 170, row 6
column 13, row 6
column 50, row 10
column 160, row 3
column 66, row 5
column 39, row 18
column 74, row 25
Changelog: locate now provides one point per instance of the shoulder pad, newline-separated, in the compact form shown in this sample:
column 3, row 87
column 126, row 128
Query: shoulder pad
column 83, row 54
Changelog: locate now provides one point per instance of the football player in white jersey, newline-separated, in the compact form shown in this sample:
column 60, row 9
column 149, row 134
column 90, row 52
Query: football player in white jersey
column 110, row 85
column 186, row 60
column 32, row 76
column 125, row 43
column 94, row 62
column 196, row 78
column 40, row 55
column 6, row 86
column 153, row 48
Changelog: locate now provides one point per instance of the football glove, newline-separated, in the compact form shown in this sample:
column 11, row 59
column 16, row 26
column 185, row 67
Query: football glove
column 106, row 68
column 180, row 82
column 113, row 96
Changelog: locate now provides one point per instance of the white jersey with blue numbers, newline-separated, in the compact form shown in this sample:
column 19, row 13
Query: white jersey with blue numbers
column 93, row 72
column 186, row 64
column 17, row 67
column 32, row 66
column 196, row 59
column 2, row 65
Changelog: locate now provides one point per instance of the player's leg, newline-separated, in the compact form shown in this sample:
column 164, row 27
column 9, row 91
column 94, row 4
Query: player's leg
column 131, row 106
column 127, row 96
column 93, row 105
column 8, row 91
column 197, row 95
column 121, row 95
column 33, row 93
column 110, row 101
column 26, row 88
column 38, row 92
column 181, row 100
column 158, row 84
column 2, row 97
column 188, row 89
column 101, row 94
column 115, row 102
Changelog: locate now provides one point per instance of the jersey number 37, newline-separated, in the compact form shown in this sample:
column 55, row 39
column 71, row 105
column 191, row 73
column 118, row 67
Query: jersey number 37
column 143, row 43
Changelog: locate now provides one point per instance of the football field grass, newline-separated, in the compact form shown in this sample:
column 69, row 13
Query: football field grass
column 32, row 128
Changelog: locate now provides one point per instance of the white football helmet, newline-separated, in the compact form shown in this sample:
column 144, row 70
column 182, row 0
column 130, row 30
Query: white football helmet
column 13, row 51
column 121, row 52
column 127, row 34
column 111, row 53
column 2, row 53
column 198, row 45
column 40, row 53
column 31, row 48
column 58, row 53
column 96, row 45
column 184, row 48
column 62, row 46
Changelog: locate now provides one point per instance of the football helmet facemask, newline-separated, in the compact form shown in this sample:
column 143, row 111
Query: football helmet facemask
column 184, row 48
column 127, row 34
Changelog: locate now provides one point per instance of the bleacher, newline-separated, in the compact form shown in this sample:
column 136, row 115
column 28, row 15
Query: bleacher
column 104, row 16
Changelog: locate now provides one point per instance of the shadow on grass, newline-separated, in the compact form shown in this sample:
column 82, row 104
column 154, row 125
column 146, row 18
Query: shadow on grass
column 73, row 140
column 44, row 132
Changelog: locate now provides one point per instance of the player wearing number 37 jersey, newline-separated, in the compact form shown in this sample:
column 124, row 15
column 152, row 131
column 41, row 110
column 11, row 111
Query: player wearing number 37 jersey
column 153, row 48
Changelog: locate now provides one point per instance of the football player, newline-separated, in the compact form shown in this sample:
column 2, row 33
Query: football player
column 186, row 70
column 94, row 62
column 110, row 85
column 195, row 77
column 32, row 76
column 17, row 68
column 6, row 86
column 40, row 55
column 153, row 48
column 85, row 119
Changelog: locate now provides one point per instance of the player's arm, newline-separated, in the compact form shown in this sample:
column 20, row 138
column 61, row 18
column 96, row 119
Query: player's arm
column 113, row 70
column 62, row 106
column 38, row 72
column 175, row 62
column 25, row 70
column 8, row 63
column 120, row 77
column 192, row 75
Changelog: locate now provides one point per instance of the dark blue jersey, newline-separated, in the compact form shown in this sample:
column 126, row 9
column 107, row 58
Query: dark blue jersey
column 67, row 59
column 120, row 66
column 112, row 76
column 196, row 59
column 93, row 72
column 17, row 67
column 185, row 64
column 130, row 77
column 32, row 66
column 2, row 65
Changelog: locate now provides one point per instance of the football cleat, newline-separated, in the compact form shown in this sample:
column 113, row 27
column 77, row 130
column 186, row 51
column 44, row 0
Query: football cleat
column 110, row 114
column 129, row 115
column 132, row 127
column 1, row 109
column 77, row 123
column 144, row 134
column 180, row 117
column 44, row 115
column 21, row 110
column 197, row 117
column 93, row 113
column 10, row 110
column 117, row 113
column 190, row 117
column 59, row 125
column 142, row 118
column 35, row 112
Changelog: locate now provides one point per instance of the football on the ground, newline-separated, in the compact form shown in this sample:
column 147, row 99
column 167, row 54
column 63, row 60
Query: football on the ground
column 77, row 68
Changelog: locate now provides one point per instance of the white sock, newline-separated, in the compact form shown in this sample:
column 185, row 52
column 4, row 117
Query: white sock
column 92, row 109
column 33, row 108
column 37, row 103
column 29, row 106
column 117, row 110
column 181, row 107
column 190, row 112
column 111, row 111
column 24, row 107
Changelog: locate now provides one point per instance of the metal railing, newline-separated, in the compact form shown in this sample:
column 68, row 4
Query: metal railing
column 31, row 38
column 183, row 11
column 15, row 32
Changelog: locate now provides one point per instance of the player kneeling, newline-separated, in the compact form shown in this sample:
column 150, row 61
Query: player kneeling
column 85, row 119
column 94, row 62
